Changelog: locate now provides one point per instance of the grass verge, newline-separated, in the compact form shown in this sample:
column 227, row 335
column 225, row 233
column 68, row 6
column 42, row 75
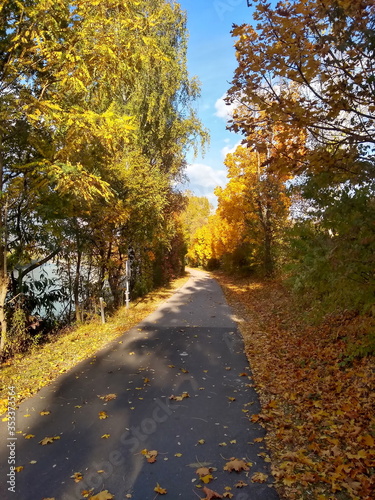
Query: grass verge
column 317, row 399
column 43, row 364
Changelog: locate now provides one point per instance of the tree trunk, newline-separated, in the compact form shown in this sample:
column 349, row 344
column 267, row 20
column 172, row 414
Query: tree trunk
column 4, row 279
column 76, row 286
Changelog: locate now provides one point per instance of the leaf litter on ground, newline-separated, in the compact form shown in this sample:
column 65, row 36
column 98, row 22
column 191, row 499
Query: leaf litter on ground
column 317, row 400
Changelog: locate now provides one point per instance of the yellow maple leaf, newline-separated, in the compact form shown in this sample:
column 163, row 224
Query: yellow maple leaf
column 29, row 436
column 103, row 415
column 19, row 468
column 207, row 478
column 105, row 436
column 45, row 412
column 160, row 490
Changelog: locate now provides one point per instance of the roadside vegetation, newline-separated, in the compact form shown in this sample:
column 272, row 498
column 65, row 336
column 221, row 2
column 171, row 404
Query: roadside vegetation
column 316, row 387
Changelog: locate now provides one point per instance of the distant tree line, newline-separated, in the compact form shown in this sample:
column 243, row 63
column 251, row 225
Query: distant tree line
column 300, row 201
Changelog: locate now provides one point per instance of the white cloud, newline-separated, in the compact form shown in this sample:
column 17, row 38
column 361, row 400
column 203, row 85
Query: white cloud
column 228, row 149
column 224, row 110
column 203, row 179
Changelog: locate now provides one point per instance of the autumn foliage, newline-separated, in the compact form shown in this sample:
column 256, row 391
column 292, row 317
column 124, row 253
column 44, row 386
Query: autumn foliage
column 96, row 117
column 299, row 207
column 317, row 397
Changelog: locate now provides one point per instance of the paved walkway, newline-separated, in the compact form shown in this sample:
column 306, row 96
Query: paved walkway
column 190, row 344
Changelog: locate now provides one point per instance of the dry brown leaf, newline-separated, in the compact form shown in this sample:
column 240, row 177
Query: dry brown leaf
column 108, row 397
column 259, row 477
column 150, row 455
column 203, row 471
column 240, row 484
column 180, row 398
column 211, row 494
column 236, row 465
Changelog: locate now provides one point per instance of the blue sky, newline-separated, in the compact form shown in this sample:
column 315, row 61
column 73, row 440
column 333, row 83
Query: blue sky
column 211, row 57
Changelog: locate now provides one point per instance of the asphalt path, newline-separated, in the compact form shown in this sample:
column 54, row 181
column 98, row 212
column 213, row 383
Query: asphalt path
column 188, row 345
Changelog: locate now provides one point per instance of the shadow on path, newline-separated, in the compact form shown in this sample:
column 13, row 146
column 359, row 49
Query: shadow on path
column 190, row 344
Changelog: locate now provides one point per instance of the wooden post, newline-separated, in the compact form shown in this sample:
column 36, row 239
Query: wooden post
column 101, row 300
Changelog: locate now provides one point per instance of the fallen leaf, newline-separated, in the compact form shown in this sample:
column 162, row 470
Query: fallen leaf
column 184, row 395
column 236, row 465
column 178, row 455
column 77, row 476
column 231, row 399
column 228, row 495
column 211, row 494
column 29, row 436
column 86, row 493
column 233, row 441
column 45, row 412
column 102, row 415
column 203, row 471
column 48, row 440
column 150, row 455
column 207, row 478
column 108, row 397
column 223, row 444
column 201, row 441
column 105, row 436
column 160, row 490
column 259, row 477
column 368, row 440
column 103, row 495
column 244, row 374
column 240, row 484
column 19, row 468
column 184, row 371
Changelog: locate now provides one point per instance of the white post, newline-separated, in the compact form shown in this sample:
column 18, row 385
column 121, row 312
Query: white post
column 101, row 300
column 127, row 282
